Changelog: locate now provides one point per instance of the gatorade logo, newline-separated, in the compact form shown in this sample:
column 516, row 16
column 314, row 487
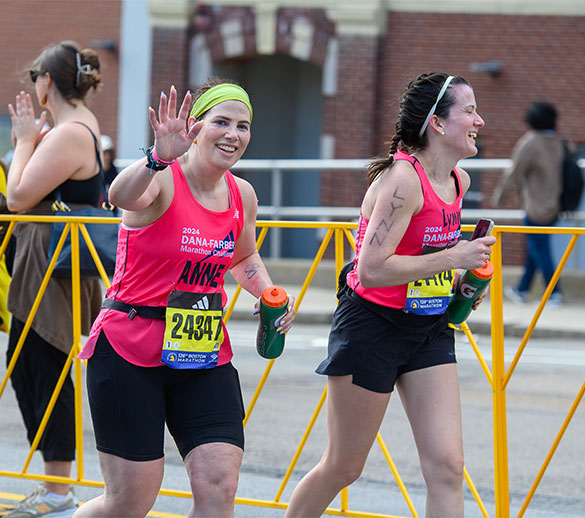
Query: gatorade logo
column 467, row 290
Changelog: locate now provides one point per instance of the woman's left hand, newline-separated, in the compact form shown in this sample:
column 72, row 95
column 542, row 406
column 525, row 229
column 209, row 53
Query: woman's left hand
column 25, row 127
column 480, row 298
column 287, row 320
column 457, row 278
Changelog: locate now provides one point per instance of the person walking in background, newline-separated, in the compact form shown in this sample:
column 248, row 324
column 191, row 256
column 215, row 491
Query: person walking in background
column 64, row 156
column 536, row 169
column 109, row 151
column 110, row 169
column 390, row 326
column 159, row 350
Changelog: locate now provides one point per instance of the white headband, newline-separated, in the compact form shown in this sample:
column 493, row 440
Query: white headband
column 439, row 97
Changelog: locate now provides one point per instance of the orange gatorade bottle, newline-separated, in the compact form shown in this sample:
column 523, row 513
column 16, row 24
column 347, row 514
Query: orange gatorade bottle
column 273, row 304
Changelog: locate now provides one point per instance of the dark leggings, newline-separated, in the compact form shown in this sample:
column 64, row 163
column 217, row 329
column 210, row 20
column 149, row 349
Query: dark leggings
column 34, row 379
column 538, row 257
column 131, row 404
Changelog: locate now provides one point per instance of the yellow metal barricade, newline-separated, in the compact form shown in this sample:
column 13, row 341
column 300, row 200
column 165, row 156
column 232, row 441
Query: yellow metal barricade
column 498, row 378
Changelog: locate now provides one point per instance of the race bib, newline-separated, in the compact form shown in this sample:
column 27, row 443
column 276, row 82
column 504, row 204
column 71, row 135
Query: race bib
column 194, row 330
column 430, row 296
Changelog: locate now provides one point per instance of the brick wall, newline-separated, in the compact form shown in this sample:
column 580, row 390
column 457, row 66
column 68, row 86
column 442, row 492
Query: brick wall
column 170, row 58
column 30, row 25
column 541, row 58
column 350, row 116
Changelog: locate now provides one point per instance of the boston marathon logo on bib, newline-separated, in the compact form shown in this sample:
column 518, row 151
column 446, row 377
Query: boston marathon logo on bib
column 431, row 296
column 194, row 330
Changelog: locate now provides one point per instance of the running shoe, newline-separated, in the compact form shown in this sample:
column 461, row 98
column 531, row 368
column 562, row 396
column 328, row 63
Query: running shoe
column 517, row 297
column 555, row 300
column 41, row 504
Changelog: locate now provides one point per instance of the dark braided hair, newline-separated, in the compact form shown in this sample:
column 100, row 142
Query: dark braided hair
column 415, row 105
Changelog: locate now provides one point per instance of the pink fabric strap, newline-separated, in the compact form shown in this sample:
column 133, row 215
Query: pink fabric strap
column 156, row 158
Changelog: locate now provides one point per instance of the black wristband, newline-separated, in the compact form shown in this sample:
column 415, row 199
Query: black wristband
column 151, row 163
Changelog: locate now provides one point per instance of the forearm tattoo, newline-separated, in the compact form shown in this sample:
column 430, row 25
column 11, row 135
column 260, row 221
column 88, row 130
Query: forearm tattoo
column 386, row 224
column 251, row 270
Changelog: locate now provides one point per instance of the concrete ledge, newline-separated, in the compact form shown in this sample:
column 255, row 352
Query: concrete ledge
column 294, row 271
column 319, row 302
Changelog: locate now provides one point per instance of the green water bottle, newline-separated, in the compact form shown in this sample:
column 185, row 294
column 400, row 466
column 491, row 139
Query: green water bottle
column 470, row 287
column 273, row 306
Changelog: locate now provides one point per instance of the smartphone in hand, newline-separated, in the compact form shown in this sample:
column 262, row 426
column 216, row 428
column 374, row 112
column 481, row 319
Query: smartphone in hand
column 483, row 228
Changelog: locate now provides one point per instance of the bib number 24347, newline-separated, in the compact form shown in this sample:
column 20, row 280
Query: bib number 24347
column 193, row 331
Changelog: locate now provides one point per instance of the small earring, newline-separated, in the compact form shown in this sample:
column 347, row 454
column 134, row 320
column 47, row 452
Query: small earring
column 194, row 141
column 442, row 132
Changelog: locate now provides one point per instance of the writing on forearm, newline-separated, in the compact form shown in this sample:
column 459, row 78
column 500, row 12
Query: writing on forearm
column 386, row 224
column 251, row 270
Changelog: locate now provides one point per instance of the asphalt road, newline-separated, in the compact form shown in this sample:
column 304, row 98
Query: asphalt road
column 539, row 397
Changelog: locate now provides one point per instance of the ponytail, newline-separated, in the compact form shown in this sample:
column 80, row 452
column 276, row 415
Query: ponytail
column 377, row 166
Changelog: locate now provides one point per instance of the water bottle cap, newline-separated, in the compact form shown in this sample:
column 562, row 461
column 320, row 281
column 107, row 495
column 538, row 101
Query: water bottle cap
column 485, row 272
column 274, row 297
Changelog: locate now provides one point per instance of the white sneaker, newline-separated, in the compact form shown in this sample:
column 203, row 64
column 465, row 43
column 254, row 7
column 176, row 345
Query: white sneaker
column 40, row 504
column 555, row 300
column 517, row 297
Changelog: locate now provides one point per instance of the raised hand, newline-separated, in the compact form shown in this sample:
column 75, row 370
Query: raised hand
column 25, row 127
column 171, row 138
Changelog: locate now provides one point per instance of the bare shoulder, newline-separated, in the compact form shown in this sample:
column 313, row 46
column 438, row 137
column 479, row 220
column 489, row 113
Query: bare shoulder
column 465, row 179
column 71, row 139
column 247, row 192
column 398, row 183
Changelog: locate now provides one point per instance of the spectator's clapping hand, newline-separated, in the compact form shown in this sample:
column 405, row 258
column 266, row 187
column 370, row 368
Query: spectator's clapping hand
column 171, row 138
column 25, row 127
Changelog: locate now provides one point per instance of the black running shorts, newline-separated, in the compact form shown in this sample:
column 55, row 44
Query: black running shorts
column 130, row 405
column 376, row 350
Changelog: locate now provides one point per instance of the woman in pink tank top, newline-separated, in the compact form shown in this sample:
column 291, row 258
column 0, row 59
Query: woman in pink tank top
column 159, row 352
column 390, row 326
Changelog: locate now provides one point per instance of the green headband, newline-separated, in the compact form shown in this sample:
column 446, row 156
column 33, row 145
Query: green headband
column 219, row 94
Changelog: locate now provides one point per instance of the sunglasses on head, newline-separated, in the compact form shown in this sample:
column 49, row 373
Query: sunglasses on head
column 34, row 74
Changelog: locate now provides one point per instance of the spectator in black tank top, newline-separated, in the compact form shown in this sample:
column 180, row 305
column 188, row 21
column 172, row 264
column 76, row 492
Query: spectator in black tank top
column 63, row 156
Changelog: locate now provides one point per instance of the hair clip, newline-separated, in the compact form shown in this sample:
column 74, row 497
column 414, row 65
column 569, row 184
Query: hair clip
column 81, row 69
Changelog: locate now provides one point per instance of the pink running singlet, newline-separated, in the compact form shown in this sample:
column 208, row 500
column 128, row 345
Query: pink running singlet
column 436, row 227
column 189, row 248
